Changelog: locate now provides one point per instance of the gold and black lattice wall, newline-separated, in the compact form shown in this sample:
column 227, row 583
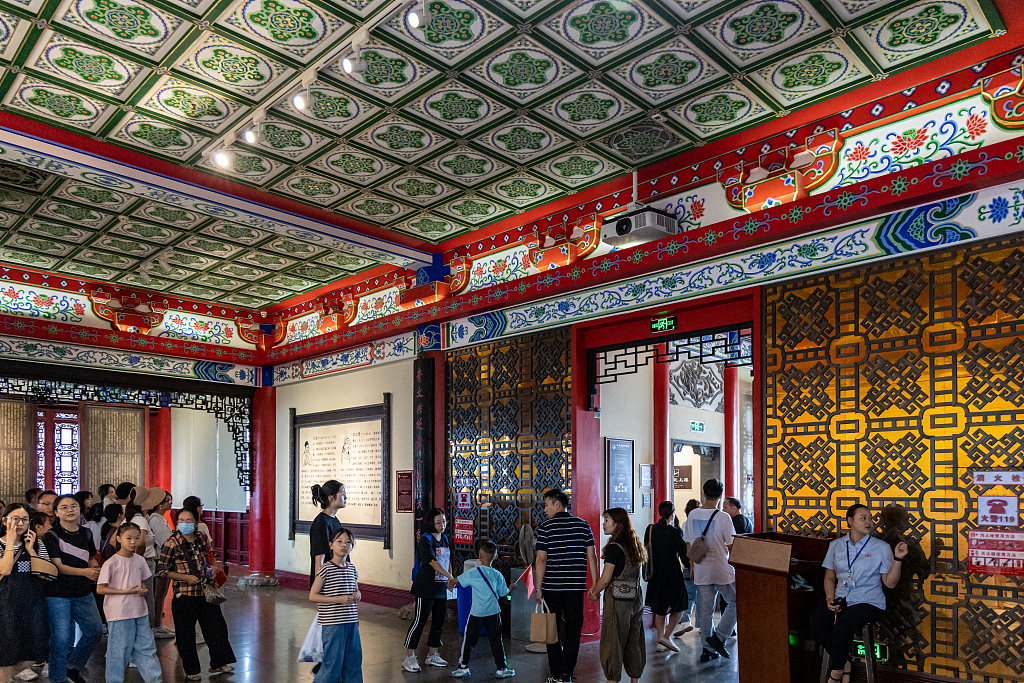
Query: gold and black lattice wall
column 509, row 435
column 888, row 386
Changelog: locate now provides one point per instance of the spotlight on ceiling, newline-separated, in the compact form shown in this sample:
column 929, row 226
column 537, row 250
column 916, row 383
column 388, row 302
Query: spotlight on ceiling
column 299, row 98
column 418, row 14
column 146, row 279
column 222, row 158
column 302, row 98
column 355, row 63
column 253, row 133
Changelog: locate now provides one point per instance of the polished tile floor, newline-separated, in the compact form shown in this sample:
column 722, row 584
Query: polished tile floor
column 267, row 627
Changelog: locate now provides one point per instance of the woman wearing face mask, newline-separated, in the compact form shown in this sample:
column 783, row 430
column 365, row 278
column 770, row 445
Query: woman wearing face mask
column 184, row 560
column 24, row 570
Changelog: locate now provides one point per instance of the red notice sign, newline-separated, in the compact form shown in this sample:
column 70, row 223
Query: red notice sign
column 995, row 552
column 464, row 531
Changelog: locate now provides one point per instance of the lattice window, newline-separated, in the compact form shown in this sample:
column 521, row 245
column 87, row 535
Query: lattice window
column 235, row 411
column 65, row 455
column 888, row 386
column 509, row 435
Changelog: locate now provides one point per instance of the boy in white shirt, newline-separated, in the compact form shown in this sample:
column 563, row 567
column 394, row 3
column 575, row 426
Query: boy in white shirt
column 713, row 576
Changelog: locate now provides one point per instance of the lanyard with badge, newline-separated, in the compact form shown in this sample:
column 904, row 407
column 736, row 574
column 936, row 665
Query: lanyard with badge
column 849, row 583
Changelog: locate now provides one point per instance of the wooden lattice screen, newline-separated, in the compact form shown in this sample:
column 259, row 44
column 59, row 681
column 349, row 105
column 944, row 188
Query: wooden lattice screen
column 888, row 386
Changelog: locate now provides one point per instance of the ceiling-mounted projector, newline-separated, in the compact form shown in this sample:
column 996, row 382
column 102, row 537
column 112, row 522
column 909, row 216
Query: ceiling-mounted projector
column 638, row 225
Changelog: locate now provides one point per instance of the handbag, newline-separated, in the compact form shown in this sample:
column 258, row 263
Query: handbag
column 647, row 569
column 213, row 595
column 313, row 646
column 543, row 626
column 699, row 548
column 626, row 586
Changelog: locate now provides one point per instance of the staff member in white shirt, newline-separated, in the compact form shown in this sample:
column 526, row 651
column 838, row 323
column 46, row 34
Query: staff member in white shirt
column 856, row 566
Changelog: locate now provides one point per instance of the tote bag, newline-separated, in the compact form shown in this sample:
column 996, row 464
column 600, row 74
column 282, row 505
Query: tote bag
column 543, row 627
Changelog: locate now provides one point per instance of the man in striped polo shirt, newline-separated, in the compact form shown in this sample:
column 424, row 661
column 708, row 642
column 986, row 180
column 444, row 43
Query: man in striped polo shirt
column 565, row 549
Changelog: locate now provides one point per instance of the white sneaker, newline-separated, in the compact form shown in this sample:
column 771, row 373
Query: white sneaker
column 505, row 673
column 435, row 660
column 460, row 672
column 27, row 675
column 660, row 648
column 412, row 664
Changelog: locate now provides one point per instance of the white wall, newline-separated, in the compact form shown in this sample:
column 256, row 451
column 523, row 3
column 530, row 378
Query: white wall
column 679, row 418
column 627, row 412
column 376, row 565
column 195, row 458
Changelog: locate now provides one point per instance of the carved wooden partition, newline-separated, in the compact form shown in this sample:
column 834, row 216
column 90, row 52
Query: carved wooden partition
column 887, row 386
column 509, row 435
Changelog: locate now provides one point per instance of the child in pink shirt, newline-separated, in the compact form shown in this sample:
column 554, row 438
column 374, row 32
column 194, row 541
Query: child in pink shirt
column 129, row 638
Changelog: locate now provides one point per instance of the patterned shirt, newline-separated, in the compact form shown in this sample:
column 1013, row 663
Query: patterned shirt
column 338, row 580
column 182, row 557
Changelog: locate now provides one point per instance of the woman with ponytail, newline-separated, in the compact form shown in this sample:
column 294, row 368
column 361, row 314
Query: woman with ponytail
column 330, row 497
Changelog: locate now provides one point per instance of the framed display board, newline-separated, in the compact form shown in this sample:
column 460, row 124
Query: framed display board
column 353, row 446
column 618, row 467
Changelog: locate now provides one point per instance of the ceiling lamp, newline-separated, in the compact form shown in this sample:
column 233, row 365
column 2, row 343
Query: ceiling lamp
column 222, row 158
column 300, row 100
column 418, row 14
column 254, row 133
column 357, row 65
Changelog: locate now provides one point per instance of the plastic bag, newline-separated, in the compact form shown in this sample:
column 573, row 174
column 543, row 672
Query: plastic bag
column 313, row 646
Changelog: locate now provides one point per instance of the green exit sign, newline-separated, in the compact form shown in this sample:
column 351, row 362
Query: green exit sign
column 881, row 650
column 696, row 426
column 666, row 323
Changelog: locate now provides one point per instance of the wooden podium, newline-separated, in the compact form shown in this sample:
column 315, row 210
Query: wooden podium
column 768, row 610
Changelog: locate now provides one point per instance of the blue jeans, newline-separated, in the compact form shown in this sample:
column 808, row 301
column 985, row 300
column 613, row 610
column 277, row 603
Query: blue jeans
column 131, row 640
column 343, row 655
column 707, row 597
column 64, row 614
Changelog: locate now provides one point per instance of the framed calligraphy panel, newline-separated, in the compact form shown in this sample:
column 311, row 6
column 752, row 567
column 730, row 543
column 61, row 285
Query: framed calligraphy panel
column 353, row 446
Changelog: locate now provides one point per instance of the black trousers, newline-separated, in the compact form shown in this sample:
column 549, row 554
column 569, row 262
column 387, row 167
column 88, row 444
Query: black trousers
column 187, row 610
column 493, row 625
column 836, row 635
column 438, row 610
column 568, row 609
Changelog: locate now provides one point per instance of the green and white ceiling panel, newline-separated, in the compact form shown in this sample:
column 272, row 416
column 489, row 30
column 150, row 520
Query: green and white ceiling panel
column 508, row 104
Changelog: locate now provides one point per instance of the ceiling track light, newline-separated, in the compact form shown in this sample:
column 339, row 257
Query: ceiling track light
column 417, row 14
column 254, row 132
column 222, row 157
column 354, row 62
column 301, row 99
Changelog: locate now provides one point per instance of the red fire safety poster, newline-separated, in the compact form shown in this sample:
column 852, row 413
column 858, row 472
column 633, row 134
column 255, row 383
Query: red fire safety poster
column 995, row 552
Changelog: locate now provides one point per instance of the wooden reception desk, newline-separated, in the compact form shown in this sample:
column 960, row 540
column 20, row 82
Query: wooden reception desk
column 768, row 610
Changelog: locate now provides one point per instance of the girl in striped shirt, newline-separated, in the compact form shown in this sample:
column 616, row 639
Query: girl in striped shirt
column 336, row 590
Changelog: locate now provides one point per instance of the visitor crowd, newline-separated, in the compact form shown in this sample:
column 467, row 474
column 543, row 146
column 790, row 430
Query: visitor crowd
column 73, row 569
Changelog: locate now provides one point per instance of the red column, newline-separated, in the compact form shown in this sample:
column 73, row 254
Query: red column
column 587, row 466
column 733, row 437
column 158, row 467
column 264, row 482
column 662, row 469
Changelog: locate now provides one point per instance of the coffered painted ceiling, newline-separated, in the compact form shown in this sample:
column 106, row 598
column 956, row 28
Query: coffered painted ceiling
column 485, row 110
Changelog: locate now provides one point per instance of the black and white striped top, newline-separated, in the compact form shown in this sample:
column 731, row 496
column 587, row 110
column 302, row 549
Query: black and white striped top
column 565, row 539
column 338, row 580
